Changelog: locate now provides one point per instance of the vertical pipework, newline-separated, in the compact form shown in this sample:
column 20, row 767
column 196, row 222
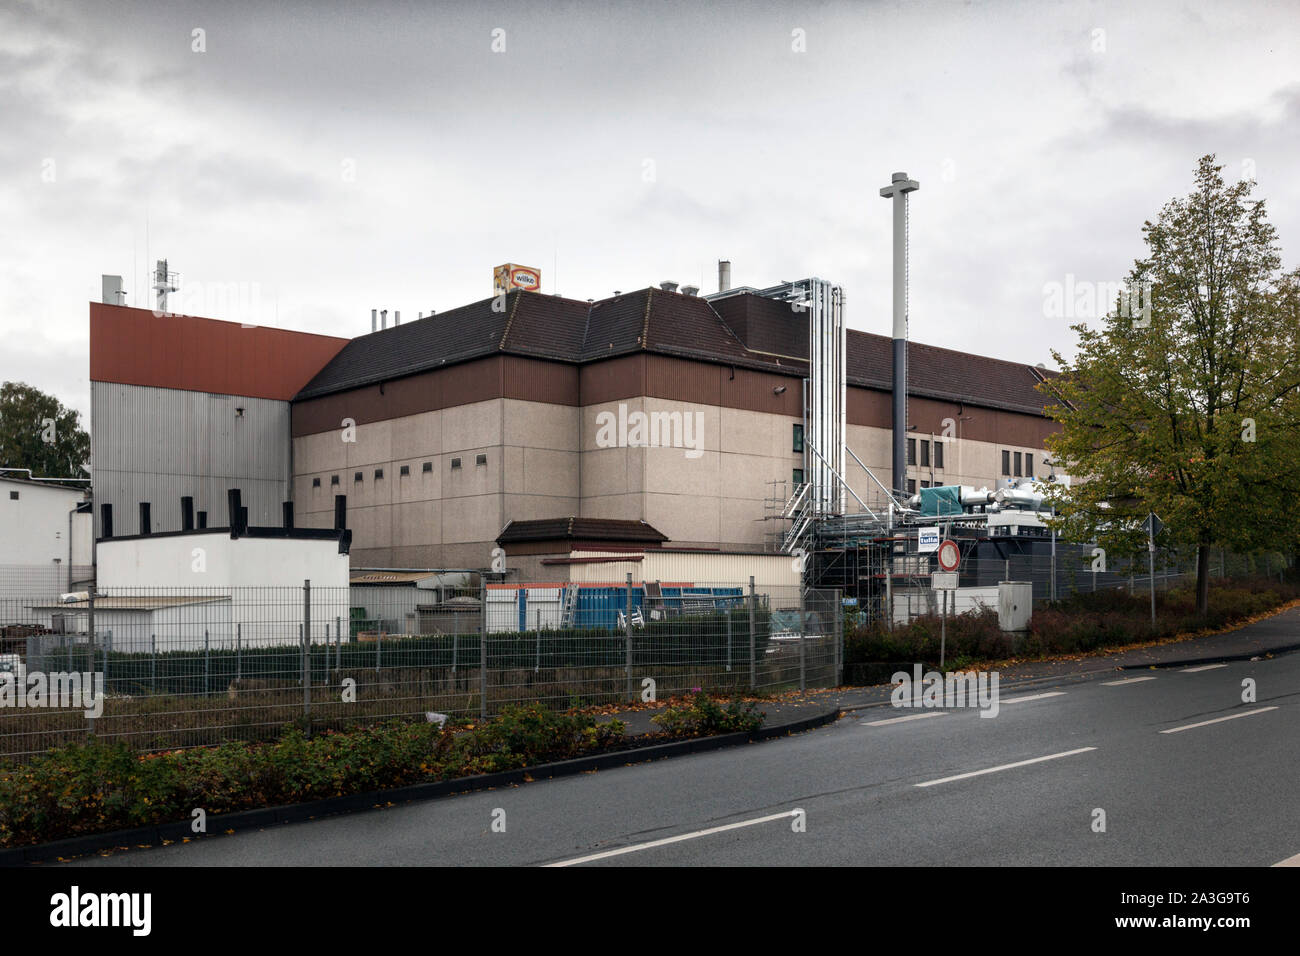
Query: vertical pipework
column 236, row 511
column 897, row 191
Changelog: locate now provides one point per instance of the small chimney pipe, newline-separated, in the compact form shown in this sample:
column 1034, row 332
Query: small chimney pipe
column 340, row 512
column 187, row 513
column 146, row 526
column 287, row 508
column 106, row 520
column 235, row 509
column 374, row 320
column 203, row 520
column 724, row 275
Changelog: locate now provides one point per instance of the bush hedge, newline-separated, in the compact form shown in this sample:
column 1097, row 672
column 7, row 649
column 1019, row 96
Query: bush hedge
column 1078, row 624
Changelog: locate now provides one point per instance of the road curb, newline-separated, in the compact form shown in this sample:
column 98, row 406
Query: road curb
column 1220, row 659
column 156, row 834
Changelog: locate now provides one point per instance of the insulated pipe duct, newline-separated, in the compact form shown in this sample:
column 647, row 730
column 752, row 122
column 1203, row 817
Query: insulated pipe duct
column 897, row 191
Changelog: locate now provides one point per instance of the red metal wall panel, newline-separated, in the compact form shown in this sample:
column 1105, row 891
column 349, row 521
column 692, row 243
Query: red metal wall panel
column 135, row 347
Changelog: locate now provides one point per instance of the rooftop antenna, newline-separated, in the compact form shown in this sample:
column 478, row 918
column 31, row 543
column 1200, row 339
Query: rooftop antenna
column 163, row 283
column 897, row 190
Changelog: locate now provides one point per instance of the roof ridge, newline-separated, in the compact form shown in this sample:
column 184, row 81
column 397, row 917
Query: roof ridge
column 644, row 341
column 510, row 319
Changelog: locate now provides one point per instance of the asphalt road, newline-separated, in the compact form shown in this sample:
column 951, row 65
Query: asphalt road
column 1226, row 792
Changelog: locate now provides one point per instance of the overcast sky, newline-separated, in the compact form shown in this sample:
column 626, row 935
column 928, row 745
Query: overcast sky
column 316, row 160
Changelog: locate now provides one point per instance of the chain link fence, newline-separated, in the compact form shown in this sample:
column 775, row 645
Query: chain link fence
column 164, row 668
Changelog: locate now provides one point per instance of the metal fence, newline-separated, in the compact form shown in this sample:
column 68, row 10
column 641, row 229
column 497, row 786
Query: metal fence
column 166, row 668
column 1071, row 571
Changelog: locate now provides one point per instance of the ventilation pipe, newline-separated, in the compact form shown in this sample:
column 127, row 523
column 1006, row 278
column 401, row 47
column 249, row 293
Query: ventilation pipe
column 374, row 320
column 397, row 319
column 668, row 286
column 724, row 275
column 897, row 191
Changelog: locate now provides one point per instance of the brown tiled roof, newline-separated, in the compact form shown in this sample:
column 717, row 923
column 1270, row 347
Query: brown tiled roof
column 585, row 529
column 745, row 330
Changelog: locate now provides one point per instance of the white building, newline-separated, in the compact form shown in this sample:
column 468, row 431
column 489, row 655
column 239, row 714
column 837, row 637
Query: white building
column 45, row 539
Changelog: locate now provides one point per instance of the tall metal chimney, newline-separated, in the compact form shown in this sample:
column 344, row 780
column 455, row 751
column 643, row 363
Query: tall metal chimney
column 724, row 275
column 897, row 190
column 383, row 318
column 374, row 320
column 397, row 319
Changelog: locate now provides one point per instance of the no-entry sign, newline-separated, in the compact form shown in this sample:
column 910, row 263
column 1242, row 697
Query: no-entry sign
column 949, row 555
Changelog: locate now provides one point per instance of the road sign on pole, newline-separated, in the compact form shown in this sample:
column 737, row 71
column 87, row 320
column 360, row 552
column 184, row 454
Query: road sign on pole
column 949, row 555
column 943, row 580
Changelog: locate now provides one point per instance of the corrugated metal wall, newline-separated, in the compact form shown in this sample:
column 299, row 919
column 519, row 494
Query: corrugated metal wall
column 160, row 444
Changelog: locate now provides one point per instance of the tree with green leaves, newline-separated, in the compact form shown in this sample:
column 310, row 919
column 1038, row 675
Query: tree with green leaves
column 1188, row 405
column 39, row 433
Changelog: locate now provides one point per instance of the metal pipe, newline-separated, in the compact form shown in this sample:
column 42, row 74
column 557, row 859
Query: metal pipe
column 897, row 191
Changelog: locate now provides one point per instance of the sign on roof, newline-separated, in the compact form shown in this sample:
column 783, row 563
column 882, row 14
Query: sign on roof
column 508, row 277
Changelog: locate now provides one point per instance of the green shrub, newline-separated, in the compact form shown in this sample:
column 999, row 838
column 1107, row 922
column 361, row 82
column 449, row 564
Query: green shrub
column 702, row 716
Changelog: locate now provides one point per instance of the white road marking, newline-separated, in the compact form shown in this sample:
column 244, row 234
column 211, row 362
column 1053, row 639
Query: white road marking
column 1005, row 766
column 899, row 720
column 1290, row 861
column 1203, row 667
column 1126, row 680
column 1021, row 700
column 636, row 847
column 1218, row 720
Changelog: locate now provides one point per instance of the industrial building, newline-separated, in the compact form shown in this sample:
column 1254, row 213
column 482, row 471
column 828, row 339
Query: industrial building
column 45, row 537
column 700, row 417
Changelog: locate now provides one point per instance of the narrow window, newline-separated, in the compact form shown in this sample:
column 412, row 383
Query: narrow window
column 911, row 451
column 797, row 476
column 1029, row 465
column 911, row 486
column 925, row 454
column 1006, row 462
column 455, row 463
column 798, row 437
column 1017, row 464
column 938, row 454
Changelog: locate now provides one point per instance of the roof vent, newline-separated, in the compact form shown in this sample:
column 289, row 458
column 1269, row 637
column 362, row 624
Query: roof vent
column 668, row 286
column 690, row 290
